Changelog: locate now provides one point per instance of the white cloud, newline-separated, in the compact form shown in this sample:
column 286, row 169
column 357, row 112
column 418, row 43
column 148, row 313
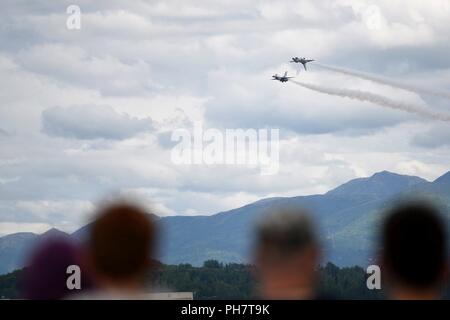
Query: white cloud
column 177, row 62
column 74, row 65
column 92, row 122
column 13, row 227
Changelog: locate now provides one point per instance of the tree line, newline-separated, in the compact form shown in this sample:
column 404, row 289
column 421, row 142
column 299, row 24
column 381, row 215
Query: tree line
column 215, row 280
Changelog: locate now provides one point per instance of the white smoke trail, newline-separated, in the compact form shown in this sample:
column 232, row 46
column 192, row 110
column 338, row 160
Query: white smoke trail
column 377, row 99
column 381, row 80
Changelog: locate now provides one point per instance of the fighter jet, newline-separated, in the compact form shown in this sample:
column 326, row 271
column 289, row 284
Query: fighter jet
column 283, row 78
column 303, row 61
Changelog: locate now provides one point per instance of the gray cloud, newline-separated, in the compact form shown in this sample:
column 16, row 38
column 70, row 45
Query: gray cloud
column 73, row 65
column 212, row 60
column 92, row 122
column 165, row 140
column 435, row 137
column 251, row 101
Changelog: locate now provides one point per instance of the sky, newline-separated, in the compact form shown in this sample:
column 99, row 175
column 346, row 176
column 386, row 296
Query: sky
column 87, row 114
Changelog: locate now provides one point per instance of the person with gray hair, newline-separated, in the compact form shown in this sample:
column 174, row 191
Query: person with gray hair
column 287, row 254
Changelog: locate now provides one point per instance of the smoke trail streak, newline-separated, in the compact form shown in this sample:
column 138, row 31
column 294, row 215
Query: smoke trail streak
column 377, row 99
column 385, row 81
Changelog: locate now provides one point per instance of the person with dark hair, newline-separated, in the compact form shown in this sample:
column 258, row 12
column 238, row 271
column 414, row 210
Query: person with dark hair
column 45, row 277
column 414, row 252
column 287, row 256
column 121, row 245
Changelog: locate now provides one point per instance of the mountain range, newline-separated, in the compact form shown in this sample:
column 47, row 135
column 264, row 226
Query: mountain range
column 347, row 216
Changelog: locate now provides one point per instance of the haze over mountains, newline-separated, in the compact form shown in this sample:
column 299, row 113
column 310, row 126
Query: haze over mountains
column 347, row 216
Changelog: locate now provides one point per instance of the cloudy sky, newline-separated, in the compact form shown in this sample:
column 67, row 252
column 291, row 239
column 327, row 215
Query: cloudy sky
column 86, row 114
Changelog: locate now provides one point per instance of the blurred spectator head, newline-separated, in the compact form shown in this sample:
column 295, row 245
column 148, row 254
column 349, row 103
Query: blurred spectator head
column 46, row 275
column 287, row 256
column 121, row 246
column 414, row 252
